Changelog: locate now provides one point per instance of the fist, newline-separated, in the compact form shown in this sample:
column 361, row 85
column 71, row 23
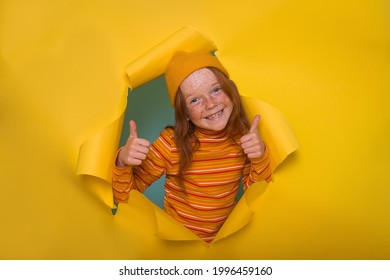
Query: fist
column 251, row 143
column 135, row 150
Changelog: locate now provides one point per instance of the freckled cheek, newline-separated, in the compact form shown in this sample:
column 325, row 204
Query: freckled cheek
column 222, row 98
column 226, row 102
column 195, row 113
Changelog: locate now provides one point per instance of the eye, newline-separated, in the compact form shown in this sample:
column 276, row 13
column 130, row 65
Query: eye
column 217, row 89
column 194, row 100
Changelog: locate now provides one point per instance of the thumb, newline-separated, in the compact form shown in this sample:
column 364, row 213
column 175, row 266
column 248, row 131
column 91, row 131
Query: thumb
column 133, row 129
column 254, row 124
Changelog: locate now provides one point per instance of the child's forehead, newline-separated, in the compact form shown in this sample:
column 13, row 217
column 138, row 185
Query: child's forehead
column 197, row 80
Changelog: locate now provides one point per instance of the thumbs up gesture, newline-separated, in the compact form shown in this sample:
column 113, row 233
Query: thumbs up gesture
column 135, row 150
column 251, row 143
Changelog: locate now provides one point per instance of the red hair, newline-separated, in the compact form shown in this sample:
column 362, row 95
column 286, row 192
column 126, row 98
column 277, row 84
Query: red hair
column 184, row 130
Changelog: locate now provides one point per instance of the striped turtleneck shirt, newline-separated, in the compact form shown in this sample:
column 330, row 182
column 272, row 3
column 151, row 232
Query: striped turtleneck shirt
column 211, row 182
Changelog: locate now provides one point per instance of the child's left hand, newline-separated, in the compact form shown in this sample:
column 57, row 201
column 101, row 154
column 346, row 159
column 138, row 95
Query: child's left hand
column 251, row 143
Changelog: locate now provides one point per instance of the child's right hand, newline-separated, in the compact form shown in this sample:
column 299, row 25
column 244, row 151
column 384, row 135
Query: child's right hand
column 135, row 150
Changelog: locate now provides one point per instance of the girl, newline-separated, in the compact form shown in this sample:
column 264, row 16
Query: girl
column 204, row 155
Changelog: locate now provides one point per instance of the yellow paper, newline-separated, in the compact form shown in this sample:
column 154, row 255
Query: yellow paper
column 274, row 129
column 153, row 63
column 323, row 64
column 97, row 153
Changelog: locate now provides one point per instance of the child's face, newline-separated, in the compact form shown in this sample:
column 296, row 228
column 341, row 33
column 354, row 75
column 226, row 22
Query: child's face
column 208, row 105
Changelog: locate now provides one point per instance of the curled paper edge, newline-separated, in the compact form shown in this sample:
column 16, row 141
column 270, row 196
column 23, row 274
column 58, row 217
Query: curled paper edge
column 152, row 64
column 274, row 129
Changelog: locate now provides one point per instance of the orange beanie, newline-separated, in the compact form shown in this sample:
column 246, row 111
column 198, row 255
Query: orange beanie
column 183, row 64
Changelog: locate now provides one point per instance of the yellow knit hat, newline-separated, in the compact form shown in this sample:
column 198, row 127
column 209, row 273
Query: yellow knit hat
column 183, row 64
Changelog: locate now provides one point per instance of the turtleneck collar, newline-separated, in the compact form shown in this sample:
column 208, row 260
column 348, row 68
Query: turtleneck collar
column 205, row 133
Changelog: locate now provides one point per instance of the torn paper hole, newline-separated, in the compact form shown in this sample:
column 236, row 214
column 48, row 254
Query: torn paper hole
column 97, row 153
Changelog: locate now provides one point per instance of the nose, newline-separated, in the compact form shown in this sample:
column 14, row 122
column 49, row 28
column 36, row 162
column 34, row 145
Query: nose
column 210, row 103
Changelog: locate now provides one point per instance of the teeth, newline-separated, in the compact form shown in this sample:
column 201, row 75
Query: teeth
column 216, row 115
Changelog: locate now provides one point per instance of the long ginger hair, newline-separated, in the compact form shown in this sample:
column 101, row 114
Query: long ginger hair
column 184, row 129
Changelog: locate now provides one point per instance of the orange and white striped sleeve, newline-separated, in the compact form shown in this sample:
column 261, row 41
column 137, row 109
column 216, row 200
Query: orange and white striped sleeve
column 139, row 177
column 257, row 170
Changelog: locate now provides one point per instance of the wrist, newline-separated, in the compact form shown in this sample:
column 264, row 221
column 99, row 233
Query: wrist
column 118, row 162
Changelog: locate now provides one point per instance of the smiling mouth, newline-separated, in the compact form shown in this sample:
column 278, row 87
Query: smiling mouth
column 214, row 116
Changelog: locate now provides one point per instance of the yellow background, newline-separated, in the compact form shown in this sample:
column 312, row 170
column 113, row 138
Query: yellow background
column 324, row 64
